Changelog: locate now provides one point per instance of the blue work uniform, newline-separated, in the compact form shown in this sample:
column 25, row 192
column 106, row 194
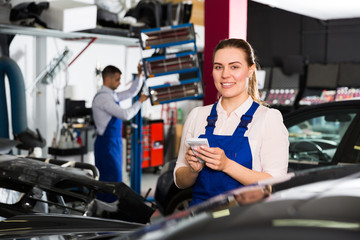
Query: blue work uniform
column 108, row 155
column 108, row 117
column 236, row 147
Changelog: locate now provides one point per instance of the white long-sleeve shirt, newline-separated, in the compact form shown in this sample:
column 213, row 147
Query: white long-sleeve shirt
column 267, row 134
column 104, row 105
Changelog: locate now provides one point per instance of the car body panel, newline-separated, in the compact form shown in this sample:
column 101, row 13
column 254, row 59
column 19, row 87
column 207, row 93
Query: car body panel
column 41, row 225
column 35, row 186
column 314, row 203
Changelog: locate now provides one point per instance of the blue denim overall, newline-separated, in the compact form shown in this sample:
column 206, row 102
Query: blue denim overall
column 236, row 147
column 108, row 155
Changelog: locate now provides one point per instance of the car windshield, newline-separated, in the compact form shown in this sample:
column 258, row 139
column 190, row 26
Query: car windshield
column 317, row 138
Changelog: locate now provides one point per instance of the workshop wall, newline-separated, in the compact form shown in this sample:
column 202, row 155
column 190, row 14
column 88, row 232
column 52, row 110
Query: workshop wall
column 23, row 56
column 276, row 34
column 78, row 82
column 46, row 101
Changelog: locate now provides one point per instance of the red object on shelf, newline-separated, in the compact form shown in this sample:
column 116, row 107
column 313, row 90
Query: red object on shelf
column 146, row 147
column 153, row 144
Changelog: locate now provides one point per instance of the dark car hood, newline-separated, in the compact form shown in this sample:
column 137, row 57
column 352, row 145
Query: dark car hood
column 323, row 210
column 35, row 225
column 33, row 177
column 298, row 195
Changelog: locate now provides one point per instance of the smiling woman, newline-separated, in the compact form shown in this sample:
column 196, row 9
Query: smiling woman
column 248, row 141
column 233, row 72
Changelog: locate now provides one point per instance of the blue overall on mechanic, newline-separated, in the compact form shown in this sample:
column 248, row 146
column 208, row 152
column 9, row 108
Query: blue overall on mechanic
column 108, row 155
column 236, row 147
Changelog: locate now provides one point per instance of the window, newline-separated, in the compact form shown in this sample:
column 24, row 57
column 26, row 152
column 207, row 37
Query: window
column 317, row 138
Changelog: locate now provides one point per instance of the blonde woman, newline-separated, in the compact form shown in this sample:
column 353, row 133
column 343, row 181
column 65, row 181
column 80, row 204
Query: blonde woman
column 248, row 141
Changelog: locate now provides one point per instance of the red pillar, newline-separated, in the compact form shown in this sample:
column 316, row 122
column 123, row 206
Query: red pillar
column 223, row 19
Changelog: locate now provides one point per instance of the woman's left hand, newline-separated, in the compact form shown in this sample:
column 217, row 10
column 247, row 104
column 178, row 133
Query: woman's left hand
column 214, row 158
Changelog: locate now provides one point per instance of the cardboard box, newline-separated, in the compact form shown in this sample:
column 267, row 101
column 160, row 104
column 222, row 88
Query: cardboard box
column 5, row 13
column 197, row 11
column 70, row 15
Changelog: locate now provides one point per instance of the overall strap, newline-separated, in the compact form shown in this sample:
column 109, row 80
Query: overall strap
column 246, row 118
column 211, row 119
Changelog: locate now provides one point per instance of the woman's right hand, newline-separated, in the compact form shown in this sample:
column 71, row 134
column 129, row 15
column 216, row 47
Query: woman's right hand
column 193, row 162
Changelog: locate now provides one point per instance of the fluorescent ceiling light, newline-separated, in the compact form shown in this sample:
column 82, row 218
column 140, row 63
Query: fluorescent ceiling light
column 320, row 9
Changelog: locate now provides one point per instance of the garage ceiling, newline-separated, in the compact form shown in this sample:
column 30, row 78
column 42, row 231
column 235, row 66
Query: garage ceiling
column 320, row 9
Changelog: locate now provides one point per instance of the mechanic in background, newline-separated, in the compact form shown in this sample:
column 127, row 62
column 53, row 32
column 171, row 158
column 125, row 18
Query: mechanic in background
column 108, row 118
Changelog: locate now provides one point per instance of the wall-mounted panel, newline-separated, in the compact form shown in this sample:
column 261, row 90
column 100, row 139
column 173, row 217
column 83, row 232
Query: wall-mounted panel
column 313, row 37
column 273, row 33
column 344, row 41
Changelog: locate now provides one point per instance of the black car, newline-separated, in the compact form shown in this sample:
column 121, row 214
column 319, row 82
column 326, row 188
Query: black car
column 316, row 203
column 31, row 185
column 319, row 135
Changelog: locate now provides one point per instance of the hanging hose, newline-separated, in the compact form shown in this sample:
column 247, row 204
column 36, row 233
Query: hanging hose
column 28, row 138
column 18, row 102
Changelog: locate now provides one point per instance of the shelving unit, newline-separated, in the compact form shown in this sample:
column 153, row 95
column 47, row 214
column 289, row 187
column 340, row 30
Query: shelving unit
column 181, row 62
column 168, row 63
column 8, row 29
column 43, row 32
column 168, row 60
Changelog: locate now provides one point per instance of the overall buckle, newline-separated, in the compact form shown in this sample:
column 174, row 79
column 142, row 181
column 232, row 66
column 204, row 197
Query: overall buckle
column 211, row 121
column 245, row 120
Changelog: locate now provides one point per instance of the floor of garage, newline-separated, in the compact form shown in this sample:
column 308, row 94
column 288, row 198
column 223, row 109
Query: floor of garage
column 148, row 181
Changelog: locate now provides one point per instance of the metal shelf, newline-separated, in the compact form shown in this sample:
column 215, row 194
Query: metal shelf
column 165, row 64
column 173, row 63
column 43, row 32
column 167, row 36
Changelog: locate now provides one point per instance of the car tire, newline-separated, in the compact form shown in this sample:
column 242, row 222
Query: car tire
column 179, row 202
